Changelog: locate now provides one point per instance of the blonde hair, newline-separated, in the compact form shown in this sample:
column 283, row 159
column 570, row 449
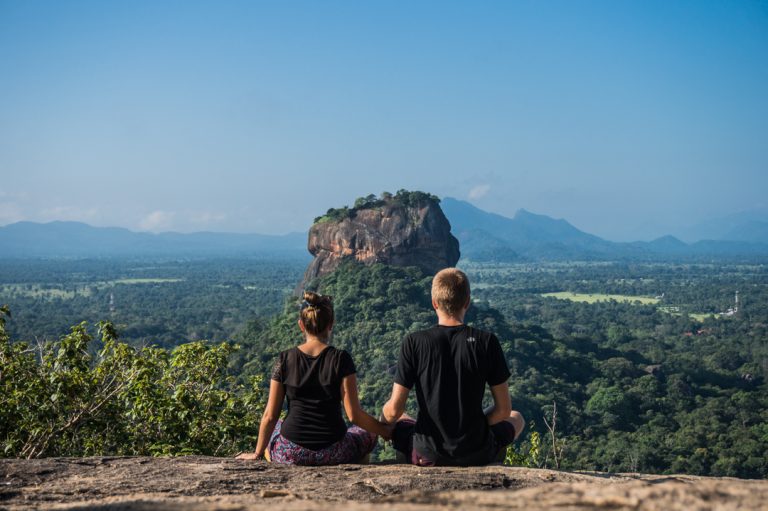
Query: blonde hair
column 316, row 313
column 450, row 290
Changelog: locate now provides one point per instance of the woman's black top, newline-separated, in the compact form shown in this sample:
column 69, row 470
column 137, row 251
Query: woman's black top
column 313, row 388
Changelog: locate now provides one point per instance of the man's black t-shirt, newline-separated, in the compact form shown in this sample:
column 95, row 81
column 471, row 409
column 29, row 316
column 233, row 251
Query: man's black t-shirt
column 450, row 367
column 313, row 389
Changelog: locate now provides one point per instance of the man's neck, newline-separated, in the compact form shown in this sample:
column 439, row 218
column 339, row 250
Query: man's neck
column 446, row 320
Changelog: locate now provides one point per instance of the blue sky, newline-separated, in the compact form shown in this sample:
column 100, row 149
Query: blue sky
column 629, row 119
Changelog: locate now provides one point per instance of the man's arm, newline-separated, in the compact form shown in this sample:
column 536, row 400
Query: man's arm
column 502, row 404
column 395, row 407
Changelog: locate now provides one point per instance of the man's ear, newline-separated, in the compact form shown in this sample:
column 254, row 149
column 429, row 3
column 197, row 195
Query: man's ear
column 434, row 304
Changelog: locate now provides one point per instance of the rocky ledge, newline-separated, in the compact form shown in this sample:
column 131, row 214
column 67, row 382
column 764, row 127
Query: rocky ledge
column 204, row 483
column 408, row 229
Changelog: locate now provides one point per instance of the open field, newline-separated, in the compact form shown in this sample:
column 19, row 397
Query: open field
column 697, row 316
column 700, row 317
column 599, row 297
column 144, row 281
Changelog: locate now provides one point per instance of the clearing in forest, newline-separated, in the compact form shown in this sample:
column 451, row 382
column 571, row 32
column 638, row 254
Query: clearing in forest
column 600, row 297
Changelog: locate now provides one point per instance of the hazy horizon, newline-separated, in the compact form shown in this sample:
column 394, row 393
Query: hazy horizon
column 629, row 120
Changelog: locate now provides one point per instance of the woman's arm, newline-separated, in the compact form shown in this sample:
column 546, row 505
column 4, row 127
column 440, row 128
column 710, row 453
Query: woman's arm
column 356, row 414
column 268, row 420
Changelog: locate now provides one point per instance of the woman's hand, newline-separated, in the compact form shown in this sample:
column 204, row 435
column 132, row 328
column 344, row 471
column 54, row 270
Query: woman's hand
column 248, row 456
column 388, row 430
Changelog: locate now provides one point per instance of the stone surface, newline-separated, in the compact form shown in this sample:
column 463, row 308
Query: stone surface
column 391, row 234
column 203, row 483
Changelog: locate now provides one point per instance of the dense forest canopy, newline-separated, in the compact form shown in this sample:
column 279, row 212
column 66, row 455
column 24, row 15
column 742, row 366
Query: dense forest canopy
column 150, row 302
column 667, row 384
column 636, row 388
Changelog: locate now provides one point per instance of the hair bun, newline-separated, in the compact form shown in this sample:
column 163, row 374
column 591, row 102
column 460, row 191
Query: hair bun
column 316, row 300
column 311, row 298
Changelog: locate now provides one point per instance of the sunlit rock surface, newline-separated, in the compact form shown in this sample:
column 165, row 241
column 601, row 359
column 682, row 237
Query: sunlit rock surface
column 204, row 483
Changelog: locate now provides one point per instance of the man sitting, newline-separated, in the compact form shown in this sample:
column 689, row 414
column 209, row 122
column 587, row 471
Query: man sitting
column 450, row 364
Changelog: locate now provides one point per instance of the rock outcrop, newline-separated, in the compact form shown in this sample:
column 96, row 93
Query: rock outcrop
column 206, row 484
column 407, row 229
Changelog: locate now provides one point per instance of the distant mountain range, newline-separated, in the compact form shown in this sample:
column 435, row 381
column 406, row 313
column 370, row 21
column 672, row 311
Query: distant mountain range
column 747, row 226
column 75, row 239
column 483, row 236
column 527, row 236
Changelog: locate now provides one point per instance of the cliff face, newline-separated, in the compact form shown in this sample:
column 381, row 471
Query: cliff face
column 390, row 233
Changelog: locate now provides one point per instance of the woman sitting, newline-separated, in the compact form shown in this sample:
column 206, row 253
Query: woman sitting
column 316, row 378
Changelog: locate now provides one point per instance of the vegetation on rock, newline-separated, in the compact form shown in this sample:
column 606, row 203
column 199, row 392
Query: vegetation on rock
column 402, row 198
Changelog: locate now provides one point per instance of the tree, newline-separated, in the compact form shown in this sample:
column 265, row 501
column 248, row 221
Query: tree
column 121, row 400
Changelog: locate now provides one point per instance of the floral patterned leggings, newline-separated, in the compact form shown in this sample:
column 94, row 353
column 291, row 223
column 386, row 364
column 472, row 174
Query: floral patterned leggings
column 350, row 449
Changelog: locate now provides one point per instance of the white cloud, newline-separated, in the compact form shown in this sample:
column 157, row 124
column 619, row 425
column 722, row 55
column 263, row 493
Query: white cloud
column 10, row 213
column 157, row 221
column 479, row 191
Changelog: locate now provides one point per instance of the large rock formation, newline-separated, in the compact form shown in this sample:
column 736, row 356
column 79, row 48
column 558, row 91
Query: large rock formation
column 407, row 229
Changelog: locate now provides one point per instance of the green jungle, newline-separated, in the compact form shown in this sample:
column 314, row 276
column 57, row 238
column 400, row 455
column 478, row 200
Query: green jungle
column 618, row 367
